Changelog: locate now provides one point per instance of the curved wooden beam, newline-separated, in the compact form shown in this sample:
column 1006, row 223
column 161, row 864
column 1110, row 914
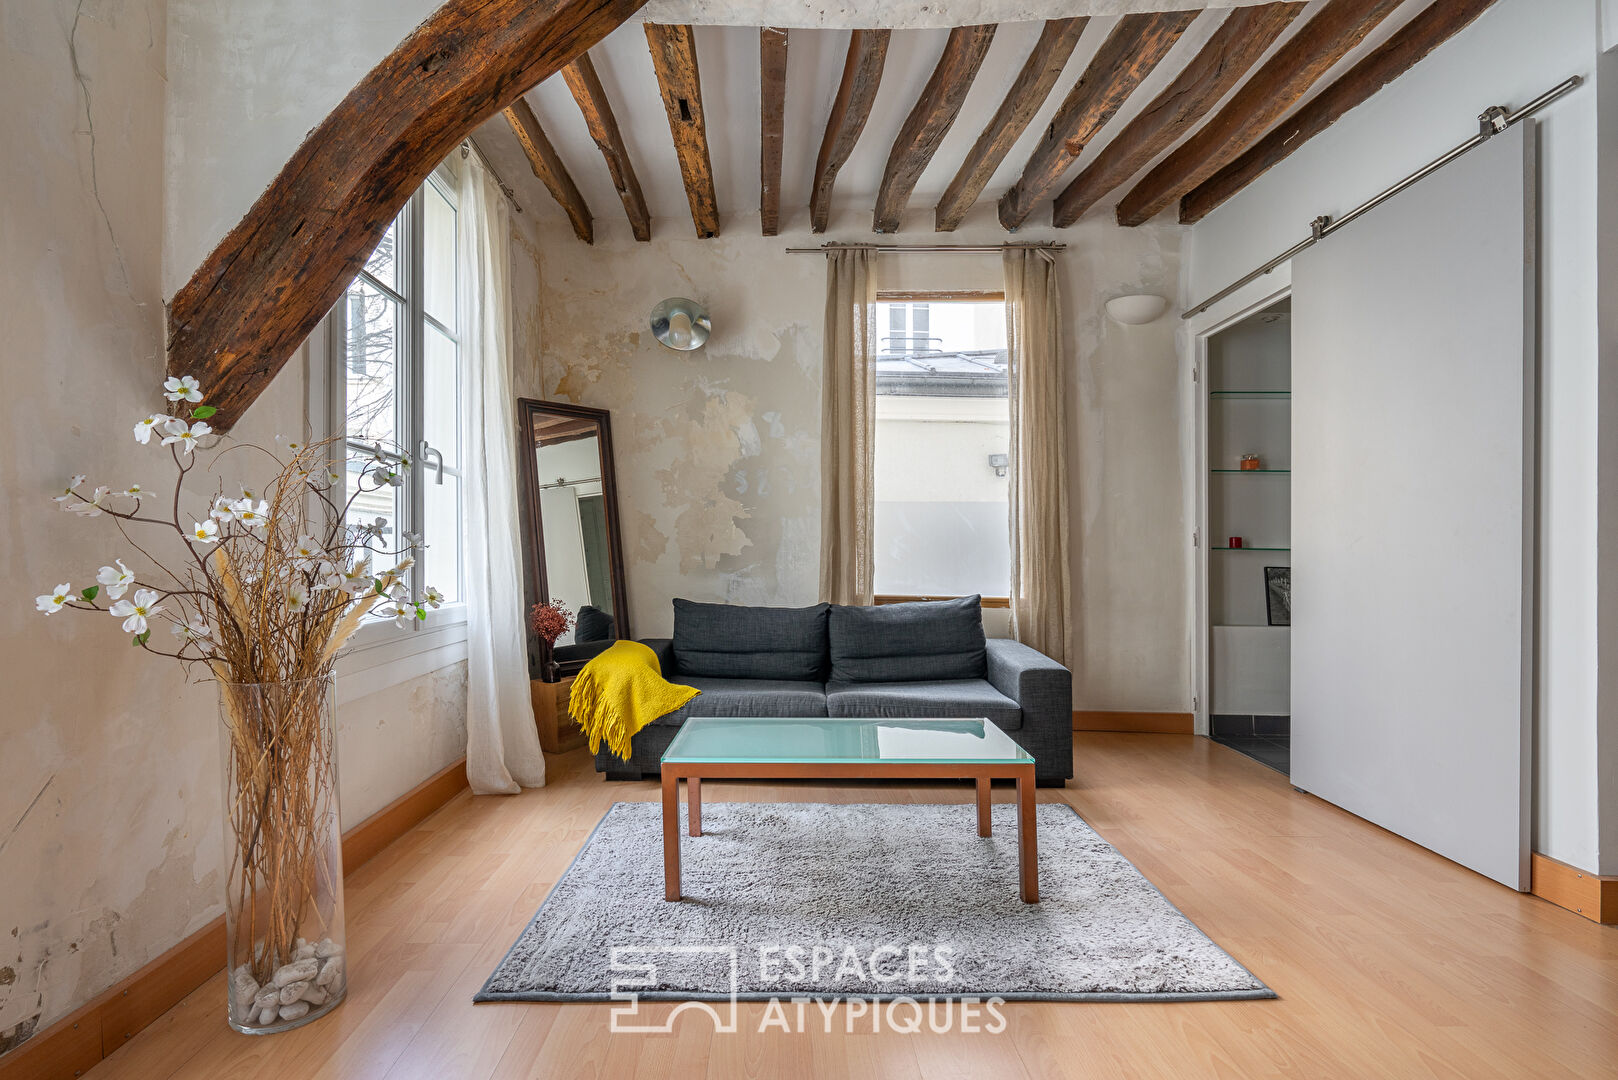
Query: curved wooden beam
column 862, row 74
column 1236, row 46
column 1296, row 65
column 276, row 274
column 1017, row 109
column 1401, row 52
column 929, row 121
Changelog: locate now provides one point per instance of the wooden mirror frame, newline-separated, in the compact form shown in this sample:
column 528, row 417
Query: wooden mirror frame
column 537, row 587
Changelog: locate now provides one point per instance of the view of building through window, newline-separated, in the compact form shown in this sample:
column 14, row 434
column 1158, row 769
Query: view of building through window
column 400, row 385
column 942, row 439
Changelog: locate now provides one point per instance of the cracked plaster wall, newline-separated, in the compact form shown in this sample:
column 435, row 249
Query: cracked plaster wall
column 110, row 849
column 718, row 450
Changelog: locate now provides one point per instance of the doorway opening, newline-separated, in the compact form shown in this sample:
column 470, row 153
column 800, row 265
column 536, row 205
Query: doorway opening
column 1248, row 523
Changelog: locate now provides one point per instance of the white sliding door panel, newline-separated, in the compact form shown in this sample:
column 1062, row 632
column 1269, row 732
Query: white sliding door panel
column 1412, row 511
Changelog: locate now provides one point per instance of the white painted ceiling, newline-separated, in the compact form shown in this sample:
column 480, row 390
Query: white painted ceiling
column 728, row 58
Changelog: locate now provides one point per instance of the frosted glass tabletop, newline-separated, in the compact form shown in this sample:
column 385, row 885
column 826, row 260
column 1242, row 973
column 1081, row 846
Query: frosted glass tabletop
column 818, row 740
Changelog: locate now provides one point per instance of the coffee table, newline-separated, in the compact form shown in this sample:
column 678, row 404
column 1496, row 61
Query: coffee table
column 769, row 748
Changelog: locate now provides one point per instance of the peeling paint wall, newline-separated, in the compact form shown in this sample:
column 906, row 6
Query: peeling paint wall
column 109, row 762
column 110, row 842
column 719, row 450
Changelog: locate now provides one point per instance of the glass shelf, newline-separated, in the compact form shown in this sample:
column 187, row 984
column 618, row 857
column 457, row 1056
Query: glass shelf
column 1251, row 393
column 1283, row 471
column 1249, row 547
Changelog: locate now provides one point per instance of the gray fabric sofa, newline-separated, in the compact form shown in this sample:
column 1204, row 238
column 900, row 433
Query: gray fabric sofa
column 922, row 659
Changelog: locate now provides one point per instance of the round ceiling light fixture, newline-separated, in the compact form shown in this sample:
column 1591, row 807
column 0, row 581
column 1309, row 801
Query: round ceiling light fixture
column 681, row 324
column 1136, row 309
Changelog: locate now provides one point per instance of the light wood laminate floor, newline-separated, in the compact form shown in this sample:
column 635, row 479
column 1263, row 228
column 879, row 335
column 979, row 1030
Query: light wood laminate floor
column 1390, row 962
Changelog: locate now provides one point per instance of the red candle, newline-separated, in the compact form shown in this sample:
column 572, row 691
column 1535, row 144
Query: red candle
column 1235, row 541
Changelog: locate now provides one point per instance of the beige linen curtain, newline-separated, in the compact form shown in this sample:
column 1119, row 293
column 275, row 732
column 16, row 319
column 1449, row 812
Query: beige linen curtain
column 1040, row 578
column 848, row 428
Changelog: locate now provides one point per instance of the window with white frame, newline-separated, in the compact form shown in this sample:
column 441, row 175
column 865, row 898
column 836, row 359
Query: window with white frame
column 395, row 387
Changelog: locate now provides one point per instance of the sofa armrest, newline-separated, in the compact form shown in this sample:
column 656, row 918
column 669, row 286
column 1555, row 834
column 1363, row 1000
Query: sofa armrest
column 664, row 648
column 1043, row 690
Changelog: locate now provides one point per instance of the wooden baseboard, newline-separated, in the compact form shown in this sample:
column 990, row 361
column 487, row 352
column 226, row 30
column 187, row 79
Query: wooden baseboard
column 363, row 841
column 1591, row 895
column 1156, row 723
column 70, row 1046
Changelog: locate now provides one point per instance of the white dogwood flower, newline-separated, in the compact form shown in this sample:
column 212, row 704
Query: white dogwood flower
column 357, row 579
column 297, row 598
column 136, row 612
column 184, row 388
column 52, row 601
column 133, row 491
column 92, row 506
column 307, row 552
column 433, row 597
column 195, row 630
column 221, row 509
column 67, row 492
column 117, row 579
column 187, row 437
column 254, row 517
column 144, row 429
column 205, row 532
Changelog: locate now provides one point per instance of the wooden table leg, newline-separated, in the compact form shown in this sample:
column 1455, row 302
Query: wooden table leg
column 983, row 806
column 1027, row 842
column 671, row 834
column 693, row 798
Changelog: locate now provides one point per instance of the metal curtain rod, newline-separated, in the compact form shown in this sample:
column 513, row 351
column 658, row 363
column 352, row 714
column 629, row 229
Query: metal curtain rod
column 896, row 249
column 1492, row 121
column 467, row 146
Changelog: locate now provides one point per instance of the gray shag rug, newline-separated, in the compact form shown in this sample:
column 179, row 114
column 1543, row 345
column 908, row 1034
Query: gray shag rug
column 874, row 901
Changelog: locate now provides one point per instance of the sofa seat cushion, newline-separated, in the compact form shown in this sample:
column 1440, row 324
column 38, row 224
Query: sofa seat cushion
column 748, row 697
column 923, row 641
column 726, row 641
column 908, row 700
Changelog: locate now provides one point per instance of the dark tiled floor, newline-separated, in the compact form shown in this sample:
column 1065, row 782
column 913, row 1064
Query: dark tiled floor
column 1272, row 750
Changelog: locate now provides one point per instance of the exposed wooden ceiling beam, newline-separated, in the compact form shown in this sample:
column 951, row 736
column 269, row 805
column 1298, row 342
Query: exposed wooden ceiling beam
column 862, row 73
column 1404, row 50
column 585, row 85
column 1236, row 46
column 270, row 281
column 548, row 166
column 674, row 57
column 929, row 121
column 1136, row 45
column 1289, row 73
column 1033, row 85
column 772, row 69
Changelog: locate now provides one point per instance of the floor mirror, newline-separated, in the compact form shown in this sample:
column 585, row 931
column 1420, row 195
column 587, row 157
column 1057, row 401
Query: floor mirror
column 570, row 508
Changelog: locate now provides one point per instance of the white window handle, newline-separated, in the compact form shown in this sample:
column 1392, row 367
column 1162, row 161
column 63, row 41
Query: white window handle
column 427, row 448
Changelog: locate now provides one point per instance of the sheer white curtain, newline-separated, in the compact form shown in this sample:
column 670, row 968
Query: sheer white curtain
column 502, row 744
column 1040, row 575
column 848, row 429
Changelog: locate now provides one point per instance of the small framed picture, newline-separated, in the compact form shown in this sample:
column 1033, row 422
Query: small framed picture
column 1278, row 594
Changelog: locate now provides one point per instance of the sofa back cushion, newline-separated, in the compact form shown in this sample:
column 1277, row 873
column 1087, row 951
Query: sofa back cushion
column 732, row 642
column 924, row 640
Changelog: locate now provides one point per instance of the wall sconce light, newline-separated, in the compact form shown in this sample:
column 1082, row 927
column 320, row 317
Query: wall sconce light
column 999, row 463
column 1138, row 308
column 681, row 324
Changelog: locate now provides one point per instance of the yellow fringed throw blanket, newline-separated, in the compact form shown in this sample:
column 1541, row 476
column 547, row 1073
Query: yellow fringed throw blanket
column 619, row 692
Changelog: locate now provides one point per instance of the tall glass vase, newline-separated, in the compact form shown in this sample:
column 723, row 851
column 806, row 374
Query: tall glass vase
column 284, row 852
